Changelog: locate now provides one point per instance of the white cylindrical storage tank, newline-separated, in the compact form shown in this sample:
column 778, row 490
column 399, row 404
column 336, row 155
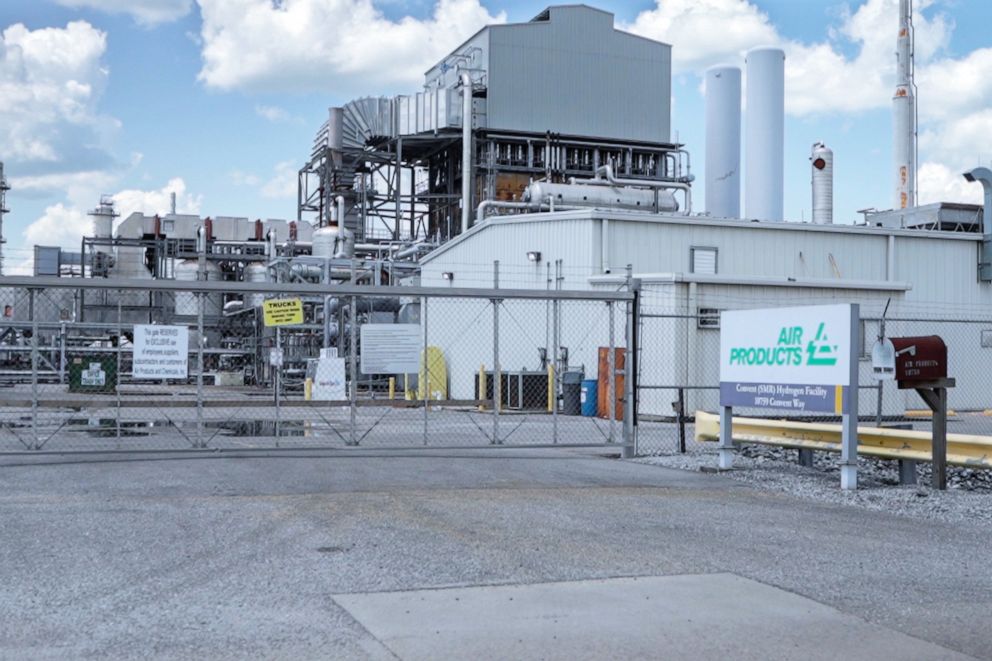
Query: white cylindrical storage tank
column 822, row 182
column 256, row 272
column 333, row 241
column 764, row 134
column 188, row 270
column 723, row 141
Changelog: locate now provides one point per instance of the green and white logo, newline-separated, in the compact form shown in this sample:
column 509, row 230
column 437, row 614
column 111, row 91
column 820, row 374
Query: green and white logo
column 790, row 350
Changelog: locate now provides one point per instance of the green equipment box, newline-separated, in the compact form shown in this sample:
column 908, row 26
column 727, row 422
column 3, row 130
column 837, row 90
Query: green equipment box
column 92, row 373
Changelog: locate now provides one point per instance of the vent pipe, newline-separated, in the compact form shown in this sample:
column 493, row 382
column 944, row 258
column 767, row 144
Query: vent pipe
column 904, row 113
column 335, row 135
column 822, row 182
column 466, row 151
column 984, row 176
column 723, row 141
column 764, row 134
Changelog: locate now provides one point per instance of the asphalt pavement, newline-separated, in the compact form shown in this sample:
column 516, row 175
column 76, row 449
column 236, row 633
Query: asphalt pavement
column 281, row 556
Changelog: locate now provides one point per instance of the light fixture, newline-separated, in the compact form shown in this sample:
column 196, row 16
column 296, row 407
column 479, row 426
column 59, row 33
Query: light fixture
column 534, row 256
column 448, row 275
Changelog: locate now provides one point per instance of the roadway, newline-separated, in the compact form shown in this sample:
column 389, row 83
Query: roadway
column 493, row 553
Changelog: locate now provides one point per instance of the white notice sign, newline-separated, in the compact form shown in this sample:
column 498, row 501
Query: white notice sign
column 161, row 352
column 391, row 348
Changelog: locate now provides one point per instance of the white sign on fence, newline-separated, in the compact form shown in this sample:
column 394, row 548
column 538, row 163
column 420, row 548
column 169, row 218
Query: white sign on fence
column 391, row 348
column 161, row 352
column 787, row 358
column 329, row 381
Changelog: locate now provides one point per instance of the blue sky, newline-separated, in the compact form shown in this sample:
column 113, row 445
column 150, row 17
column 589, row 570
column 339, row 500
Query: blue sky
column 218, row 100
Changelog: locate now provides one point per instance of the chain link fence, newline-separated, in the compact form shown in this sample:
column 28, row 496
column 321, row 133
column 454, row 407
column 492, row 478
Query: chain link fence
column 98, row 366
column 679, row 344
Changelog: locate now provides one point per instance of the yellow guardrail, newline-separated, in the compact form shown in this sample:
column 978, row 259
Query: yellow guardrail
column 962, row 449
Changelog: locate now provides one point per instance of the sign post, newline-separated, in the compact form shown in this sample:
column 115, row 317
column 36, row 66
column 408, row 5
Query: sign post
column 802, row 360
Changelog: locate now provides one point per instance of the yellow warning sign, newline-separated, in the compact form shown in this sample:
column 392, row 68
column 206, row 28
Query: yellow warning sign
column 282, row 312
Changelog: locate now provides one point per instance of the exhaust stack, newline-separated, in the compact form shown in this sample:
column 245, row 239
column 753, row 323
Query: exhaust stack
column 904, row 113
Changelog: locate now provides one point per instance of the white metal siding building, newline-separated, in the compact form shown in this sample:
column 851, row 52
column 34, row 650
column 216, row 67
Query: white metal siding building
column 692, row 266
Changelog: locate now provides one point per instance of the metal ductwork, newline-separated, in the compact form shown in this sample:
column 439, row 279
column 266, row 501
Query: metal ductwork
column 984, row 176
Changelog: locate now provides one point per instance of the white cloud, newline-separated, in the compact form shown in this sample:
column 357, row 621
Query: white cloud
column 274, row 114
column 145, row 12
column 59, row 226
column 939, row 183
column 157, row 201
column 852, row 71
column 705, row 32
column 240, row 178
column 283, row 185
column 820, row 77
column 65, row 224
column 50, row 82
column 316, row 44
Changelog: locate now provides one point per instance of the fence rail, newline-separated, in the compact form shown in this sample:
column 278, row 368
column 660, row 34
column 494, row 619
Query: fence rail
column 472, row 367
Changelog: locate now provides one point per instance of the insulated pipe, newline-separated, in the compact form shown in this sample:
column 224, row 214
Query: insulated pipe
column 480, row 211
column 339, row 201
column 271, row 248
column 611, row 179
column 466, row 150
column 983, row 175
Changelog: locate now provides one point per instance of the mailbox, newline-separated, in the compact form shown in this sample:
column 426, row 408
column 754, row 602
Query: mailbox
column 920, row 359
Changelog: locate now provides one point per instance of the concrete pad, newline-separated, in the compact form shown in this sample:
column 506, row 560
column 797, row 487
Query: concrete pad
column 711, row 616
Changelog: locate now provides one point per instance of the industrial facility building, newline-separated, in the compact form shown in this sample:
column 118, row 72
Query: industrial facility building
column 546, row 146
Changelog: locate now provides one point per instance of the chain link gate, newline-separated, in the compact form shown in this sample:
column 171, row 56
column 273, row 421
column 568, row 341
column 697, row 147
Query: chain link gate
column 490, row 367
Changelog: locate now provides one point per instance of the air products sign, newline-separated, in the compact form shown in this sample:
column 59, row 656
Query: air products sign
column 796, row 359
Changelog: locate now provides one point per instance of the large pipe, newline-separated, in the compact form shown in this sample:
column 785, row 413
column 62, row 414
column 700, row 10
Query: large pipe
column 723, row 142
column 984, row 176
column 904, row 113
column 485, row 205
column 764, row 156
column 612, row 180
column 466, row 150
column 339, row 203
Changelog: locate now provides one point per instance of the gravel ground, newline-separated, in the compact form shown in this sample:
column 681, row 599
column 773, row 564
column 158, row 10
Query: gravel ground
column 967, row 500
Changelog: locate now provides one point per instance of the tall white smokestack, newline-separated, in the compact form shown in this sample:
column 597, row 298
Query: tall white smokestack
column 822, row 183
column 904, row 113
column 723, row 141
column 764, row 134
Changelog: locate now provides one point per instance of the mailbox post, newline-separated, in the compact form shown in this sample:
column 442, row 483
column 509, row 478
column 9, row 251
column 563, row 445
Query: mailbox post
column 921, row 364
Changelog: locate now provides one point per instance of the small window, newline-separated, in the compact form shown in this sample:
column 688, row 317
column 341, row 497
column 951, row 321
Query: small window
column 702, row 261
column 987, row 339
column 708, row 318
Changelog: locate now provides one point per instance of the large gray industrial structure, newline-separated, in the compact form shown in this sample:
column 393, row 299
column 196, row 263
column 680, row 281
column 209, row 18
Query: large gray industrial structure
column 564, row 123
column 550, row 99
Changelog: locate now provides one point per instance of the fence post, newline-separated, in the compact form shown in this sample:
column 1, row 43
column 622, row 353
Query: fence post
column 497, row 375
column 353, row 365
column 427, row 366
column 199, row 369
column 611, row 362
column 557, row 368
column 34, row 368
column 630, row 370
column 117, row 387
